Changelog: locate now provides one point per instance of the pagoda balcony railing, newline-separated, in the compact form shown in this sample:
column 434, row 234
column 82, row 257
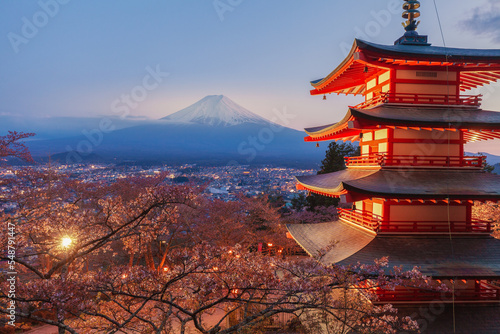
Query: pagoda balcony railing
column 474, row 226
column 377, row 224
column 414, row 295
column 415, row 161
column 361, row 218
column 483, row 292
column 422, row 99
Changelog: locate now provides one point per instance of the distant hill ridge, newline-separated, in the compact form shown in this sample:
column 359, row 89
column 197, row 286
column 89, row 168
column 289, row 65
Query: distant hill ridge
column 212, row 131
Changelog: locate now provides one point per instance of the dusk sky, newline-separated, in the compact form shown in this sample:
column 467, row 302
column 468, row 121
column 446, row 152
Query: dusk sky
column 85, row 54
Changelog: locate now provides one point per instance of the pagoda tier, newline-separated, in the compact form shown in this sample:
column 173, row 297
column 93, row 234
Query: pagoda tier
column 410, row 184
column 463, row 257
column 395, row 201
column 472, row 125
column 370, row 68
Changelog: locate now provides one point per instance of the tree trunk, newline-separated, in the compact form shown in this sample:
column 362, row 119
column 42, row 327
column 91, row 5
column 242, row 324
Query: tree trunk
column 149, row 258
column 131, row 260
column 163, row 259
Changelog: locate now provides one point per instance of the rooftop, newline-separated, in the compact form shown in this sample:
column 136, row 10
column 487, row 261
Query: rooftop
column 477, row 66
column 472, row 121
column 422, row 184
column 439, row 257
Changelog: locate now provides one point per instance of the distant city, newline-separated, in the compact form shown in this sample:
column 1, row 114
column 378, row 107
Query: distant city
column 219, row 182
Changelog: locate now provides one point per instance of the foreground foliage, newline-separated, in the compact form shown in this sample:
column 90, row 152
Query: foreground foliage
column 204, row 275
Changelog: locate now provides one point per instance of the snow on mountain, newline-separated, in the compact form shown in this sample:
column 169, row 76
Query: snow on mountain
column 215, row 110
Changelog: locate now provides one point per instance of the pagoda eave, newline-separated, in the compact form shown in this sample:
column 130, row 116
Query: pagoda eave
column 367, row 59
column 430, row 53
column 476, row 124
column 392, row 184
column 455, row 117
column 469, row 258
column 337, row 192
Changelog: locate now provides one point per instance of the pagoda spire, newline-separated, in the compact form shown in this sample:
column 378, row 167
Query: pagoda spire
column 411, row 13
column 411, row 36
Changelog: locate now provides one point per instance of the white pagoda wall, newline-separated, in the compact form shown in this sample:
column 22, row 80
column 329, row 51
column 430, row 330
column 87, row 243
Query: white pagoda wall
column 426, row 143
column 420, row 82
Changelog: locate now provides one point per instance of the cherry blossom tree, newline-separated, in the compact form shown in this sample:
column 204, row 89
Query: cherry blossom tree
column 11, row 145
column 320, row 215
column 488, row 211
column 193, row 264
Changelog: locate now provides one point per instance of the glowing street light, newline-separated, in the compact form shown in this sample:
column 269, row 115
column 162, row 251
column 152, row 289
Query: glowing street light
column 66, row 242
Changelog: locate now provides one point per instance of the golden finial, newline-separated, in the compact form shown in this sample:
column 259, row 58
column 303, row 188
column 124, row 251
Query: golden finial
column 410, row 14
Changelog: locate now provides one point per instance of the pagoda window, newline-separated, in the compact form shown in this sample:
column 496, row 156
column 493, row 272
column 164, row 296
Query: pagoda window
column 358, row 206
column 374, row 142
column 367, row 136
column 386, row 88
column 377, row 85
column 378, row 209
column 385, row 77
column 367, row 207
column 381, row 134
column 366, row 149
column 371, row 84
column 383, row 148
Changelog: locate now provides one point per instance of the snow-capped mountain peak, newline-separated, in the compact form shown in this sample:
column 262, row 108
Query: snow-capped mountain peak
column 215, row 110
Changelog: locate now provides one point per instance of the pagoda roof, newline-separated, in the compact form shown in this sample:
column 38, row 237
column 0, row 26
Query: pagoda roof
column 479, row 66
column 439, row 257
column 471, row 120
column 477, row 319
column 419, row 184
column 428, row 52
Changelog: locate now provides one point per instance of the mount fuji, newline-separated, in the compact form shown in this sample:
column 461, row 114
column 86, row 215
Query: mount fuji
column 215, row 110
column 212, row 131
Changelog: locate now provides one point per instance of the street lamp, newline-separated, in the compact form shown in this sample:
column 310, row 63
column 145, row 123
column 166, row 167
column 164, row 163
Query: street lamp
column 66, row 242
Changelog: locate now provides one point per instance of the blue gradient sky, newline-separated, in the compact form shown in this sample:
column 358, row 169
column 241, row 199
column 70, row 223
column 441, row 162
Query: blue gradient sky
column 261, row 54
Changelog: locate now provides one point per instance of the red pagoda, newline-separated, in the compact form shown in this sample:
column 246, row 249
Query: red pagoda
column 413, row 188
